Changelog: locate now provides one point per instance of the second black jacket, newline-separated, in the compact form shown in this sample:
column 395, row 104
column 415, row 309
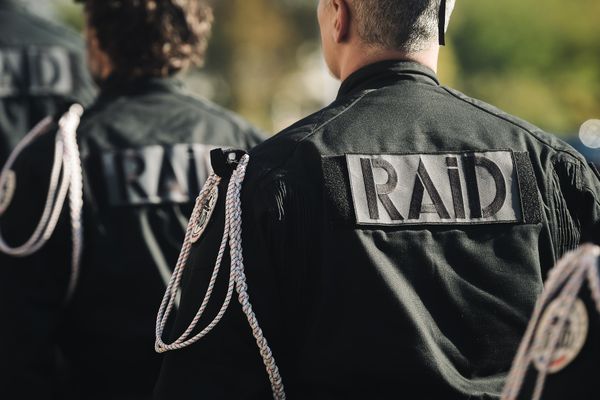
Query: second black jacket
column 144, row 146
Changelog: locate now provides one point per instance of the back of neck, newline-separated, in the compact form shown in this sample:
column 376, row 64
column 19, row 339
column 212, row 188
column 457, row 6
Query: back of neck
column 359, row 57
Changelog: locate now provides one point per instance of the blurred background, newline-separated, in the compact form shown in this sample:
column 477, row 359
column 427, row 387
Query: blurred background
column 539, row 60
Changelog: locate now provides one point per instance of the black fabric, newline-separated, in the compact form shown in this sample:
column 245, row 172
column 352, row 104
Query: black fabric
column 224, row 162
column 337, row 190
column 566, row 226
column 375, row 75
column 530, row 198
column 378, row 312
column 148, row 140
column 594, row 170
column 28, row 46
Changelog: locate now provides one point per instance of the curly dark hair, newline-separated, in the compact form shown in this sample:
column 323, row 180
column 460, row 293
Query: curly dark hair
column 151, row 37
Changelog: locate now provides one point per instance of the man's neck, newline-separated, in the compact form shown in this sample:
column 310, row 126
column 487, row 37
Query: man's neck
column 359, row 57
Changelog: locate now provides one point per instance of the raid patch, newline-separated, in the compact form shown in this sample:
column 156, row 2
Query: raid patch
column 35, row 70
column 156, row 174
column 433, row 189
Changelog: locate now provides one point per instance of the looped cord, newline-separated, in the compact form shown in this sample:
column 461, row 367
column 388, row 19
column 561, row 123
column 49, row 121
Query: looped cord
column 66, row 161
column 564, row 283
column 232, row 235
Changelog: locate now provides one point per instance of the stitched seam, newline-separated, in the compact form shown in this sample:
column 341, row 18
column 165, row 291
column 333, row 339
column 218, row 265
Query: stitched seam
column 351, row 105
column 317, row 126
column 590, row 191
column 511, row 122
column 581, row 185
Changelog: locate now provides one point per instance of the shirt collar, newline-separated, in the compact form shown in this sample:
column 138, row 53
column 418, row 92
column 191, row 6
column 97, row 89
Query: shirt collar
column 386, row 73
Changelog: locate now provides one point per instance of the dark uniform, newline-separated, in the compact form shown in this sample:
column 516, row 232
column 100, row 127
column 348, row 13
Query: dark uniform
column 394, row 244
column 42, row 70
column 144, row 145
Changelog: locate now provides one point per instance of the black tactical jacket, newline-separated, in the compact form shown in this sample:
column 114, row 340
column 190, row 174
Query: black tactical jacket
column 395, row 243
column 42, row 69
column 144, row 146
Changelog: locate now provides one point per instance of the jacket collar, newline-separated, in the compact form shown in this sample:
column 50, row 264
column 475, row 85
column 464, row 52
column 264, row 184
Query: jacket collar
column 115, row 86
column 386, row 73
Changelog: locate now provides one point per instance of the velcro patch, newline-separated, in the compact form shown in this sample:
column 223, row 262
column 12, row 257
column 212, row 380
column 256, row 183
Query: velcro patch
column 433, row 189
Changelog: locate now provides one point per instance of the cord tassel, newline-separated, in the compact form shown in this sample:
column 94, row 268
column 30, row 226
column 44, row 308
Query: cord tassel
column 232, row 235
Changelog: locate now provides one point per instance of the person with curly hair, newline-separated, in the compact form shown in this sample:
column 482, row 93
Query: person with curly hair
column 144, row 147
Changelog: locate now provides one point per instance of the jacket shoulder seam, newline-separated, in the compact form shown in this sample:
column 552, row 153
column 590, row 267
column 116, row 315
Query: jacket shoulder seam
column 320, row 125
column 316, row 127
column 510, row 121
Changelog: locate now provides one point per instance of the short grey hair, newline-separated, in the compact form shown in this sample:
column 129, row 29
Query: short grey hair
column 405, row 25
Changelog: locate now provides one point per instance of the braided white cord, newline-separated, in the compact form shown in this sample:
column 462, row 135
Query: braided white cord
column 73, row 160
column 237, row 278
column 234, row 215
column 569, row 274
column 594, row 284
column 45, row 225
column 171, row 292
column 67, row 161
column 169, row 298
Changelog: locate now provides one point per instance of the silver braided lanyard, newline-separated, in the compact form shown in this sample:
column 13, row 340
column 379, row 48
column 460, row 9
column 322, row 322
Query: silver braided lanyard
column 67, row 161
column 563, row 286
column 232, row 234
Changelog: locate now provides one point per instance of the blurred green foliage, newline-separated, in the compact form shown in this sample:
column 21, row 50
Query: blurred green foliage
column 539, row 60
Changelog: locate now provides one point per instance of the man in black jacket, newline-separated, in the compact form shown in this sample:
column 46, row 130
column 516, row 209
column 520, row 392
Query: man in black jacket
column 394, row 242
column 144, row 145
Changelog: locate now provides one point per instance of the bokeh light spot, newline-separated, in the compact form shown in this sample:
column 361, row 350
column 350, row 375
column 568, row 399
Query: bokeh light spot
column 589, row 133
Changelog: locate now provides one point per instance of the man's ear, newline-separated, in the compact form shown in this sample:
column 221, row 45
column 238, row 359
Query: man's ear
column 342, row 20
